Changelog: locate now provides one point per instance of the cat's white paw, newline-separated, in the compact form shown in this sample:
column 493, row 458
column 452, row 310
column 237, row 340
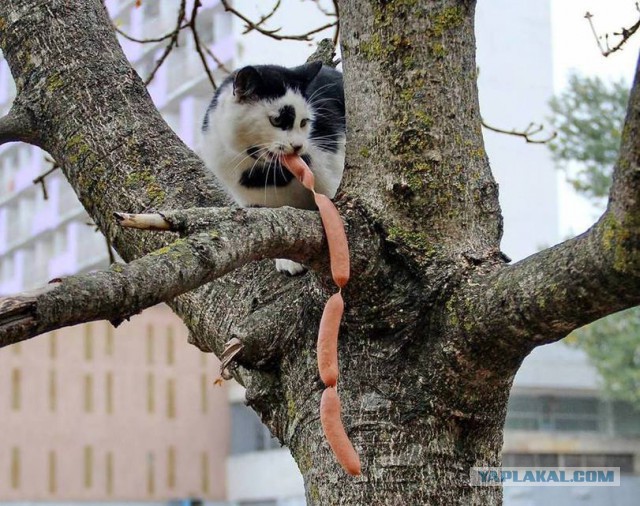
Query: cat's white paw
column 289, row 267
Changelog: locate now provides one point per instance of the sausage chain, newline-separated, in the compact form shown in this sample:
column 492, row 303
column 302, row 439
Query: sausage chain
column 331, row 316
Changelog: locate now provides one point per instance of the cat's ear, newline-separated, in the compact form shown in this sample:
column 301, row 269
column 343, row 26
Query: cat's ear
column 245, row 83
column 308, row 71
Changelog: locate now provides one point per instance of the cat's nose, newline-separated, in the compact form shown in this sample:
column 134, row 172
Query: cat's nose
column 296, row 148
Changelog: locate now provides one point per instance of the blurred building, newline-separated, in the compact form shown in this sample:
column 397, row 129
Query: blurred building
column 94, row 413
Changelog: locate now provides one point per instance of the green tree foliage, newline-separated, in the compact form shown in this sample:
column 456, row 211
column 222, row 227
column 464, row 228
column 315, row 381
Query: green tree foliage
column 588, row 117
column 613, row 345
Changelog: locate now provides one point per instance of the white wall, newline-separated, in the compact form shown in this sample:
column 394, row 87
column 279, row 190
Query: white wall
column 516, row 82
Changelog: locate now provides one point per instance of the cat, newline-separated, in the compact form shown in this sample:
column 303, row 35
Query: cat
column 260, row 112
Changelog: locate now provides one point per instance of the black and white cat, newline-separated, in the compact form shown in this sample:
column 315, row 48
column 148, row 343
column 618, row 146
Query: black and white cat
column 260, row 112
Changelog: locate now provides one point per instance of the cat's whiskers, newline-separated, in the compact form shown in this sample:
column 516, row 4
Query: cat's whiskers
column 261, row 151
column 310, row 99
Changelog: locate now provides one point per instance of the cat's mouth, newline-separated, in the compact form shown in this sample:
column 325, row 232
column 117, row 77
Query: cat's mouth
column 266, row 155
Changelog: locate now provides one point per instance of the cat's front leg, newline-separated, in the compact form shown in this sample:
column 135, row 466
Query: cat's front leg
column 290, row 267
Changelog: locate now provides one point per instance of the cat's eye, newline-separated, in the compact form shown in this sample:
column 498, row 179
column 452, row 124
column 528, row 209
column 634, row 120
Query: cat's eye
column 304, row 122
column 275, row 121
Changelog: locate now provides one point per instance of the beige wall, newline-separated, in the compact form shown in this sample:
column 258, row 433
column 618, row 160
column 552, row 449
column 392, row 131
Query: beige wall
column 97, row 413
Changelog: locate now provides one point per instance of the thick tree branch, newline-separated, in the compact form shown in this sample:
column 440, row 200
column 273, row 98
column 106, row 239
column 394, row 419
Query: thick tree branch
column 16, row 126
column 220, row 241
column 544, row 297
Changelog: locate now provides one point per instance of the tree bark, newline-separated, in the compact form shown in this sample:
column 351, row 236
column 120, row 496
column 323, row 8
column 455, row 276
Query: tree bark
column 436, row 324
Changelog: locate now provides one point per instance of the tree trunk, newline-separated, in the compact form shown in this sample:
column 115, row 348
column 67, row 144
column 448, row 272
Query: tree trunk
column 436, row 324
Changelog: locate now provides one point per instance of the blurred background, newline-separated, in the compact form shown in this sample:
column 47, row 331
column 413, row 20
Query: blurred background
column 131, row 415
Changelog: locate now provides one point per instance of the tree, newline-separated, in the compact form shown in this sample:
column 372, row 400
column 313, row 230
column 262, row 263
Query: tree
column 437, row 324
column 613, row 345
column 589, row 116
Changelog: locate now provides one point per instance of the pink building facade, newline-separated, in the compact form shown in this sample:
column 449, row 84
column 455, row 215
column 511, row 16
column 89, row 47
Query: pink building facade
column 127, row 414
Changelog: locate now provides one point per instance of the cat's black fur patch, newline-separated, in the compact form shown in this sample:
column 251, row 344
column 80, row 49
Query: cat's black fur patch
column 262, row 175
column 326, row 96
column 286, row 118
column 273, row 174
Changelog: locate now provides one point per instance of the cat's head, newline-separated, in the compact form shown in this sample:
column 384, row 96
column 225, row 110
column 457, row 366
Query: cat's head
column 271, row 115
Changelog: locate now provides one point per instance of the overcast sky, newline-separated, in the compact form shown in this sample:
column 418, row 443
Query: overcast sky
column 574, row 47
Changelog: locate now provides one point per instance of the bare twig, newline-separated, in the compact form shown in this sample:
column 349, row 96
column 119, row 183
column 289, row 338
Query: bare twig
column 624, row 33
column 173, row 41
column 264, row 18
column 196, row 40
column 325, row 11
column 219, row 63
column 251, row 25
column 41, row 178
column 162, row 38
column 531, row 130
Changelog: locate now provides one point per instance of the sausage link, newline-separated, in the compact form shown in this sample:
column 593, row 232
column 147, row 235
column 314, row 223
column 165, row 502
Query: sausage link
column 336, row 238
column 298, row 167
column 328, row 340
column 335, row 433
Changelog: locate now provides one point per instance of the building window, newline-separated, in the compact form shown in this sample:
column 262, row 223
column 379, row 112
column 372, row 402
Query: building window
column 88, row 467
column 204, row 26
column 53, row 390
column 204, row 393
column 88, row 393
column 109, row 473
column 151, row 8
column 171, row 398
column 554, row 413
column 171, row 468
column 151, row 478
column 626, row 419
column 150, row 344
column 15, row 389
column 151, row 397
column 204, row 469
column 170, row 347
column 53, row 345
column 248, row 434
column 623, row 461
column 15, row 468
column 52, row 472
